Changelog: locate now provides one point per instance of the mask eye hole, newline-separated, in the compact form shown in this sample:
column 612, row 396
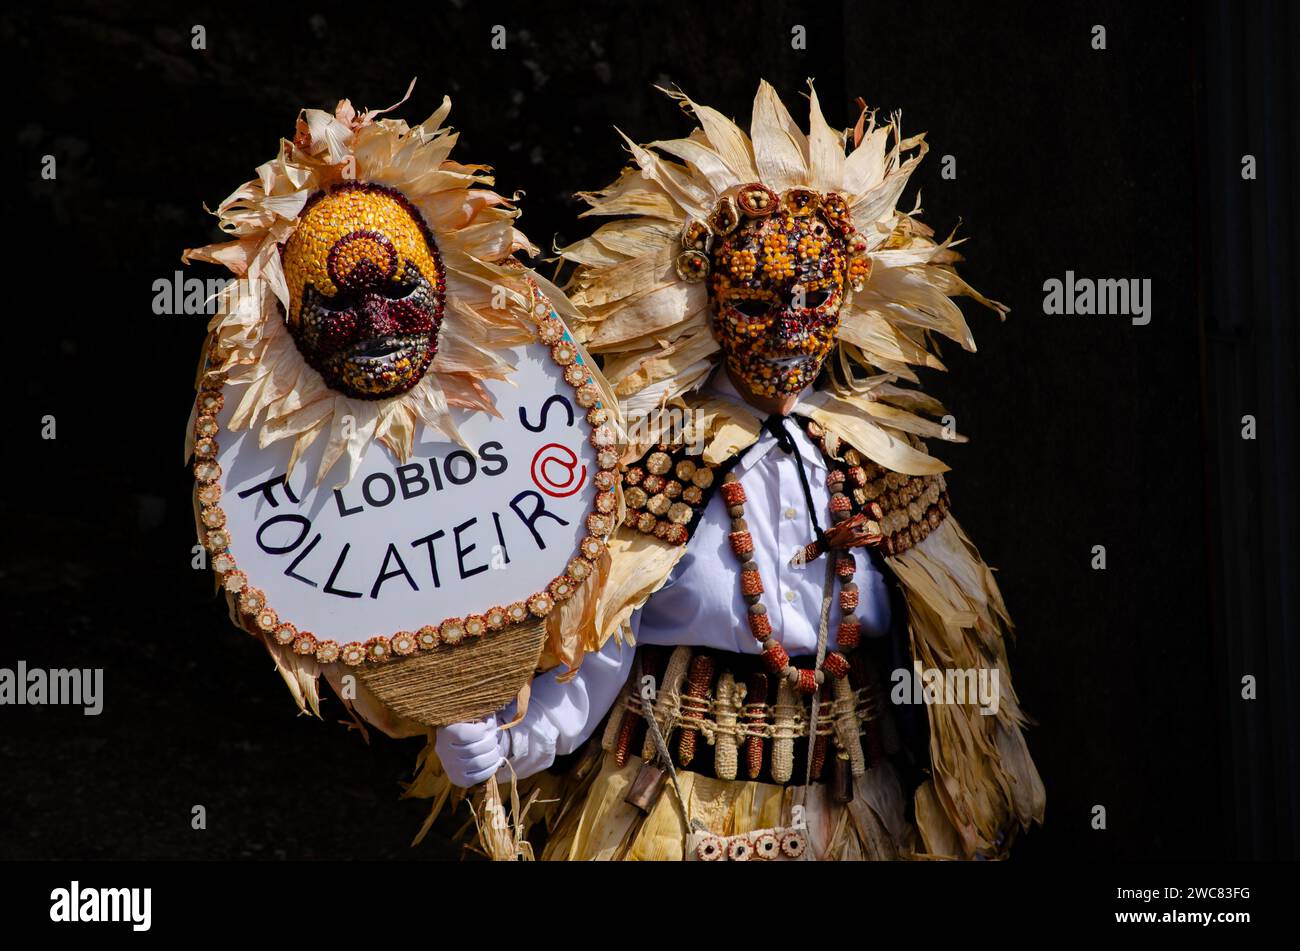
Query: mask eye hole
column 752, row 307
column 398, row 290
column 815, row 300
column 331, row 305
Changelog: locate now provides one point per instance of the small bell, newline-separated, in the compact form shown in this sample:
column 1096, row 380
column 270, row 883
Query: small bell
column 842, row 781
column 647, row 787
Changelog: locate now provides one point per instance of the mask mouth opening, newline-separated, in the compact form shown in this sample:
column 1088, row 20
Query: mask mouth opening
column 787, row 363
column 377, row 349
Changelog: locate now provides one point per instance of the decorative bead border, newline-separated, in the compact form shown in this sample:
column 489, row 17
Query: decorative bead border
column 256, row 616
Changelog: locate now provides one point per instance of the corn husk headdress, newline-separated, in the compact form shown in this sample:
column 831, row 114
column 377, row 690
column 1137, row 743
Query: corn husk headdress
column 649, row 315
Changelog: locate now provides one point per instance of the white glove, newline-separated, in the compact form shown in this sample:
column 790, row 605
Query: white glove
column 471, row 752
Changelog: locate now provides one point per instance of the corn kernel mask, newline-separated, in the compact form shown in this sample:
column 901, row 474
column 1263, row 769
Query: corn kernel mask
column 366, row 290
column 777, row 268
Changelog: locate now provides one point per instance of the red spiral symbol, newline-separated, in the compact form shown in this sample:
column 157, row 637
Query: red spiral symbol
column 566, row 459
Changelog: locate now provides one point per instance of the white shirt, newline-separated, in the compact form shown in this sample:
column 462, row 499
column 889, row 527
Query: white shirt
column 700, row 605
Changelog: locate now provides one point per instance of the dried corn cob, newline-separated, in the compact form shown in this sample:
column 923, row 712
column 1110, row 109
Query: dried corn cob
column 697, row 689
column 613, row 723
column 668, row 702
column 846, row 724
column 818, row 756
column 785, row 713
column 728, row 699
column 756, row 718
column 625, row 730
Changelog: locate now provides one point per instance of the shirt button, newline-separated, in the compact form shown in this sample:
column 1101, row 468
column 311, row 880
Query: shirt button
column 790, row 513
column 790, row 595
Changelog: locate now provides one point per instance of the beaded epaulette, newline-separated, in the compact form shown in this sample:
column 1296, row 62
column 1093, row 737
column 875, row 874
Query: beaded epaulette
column 666, row 492
column 903, row 509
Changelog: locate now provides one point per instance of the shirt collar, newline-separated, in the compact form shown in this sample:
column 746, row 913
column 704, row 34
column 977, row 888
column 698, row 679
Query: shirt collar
column 721, row 387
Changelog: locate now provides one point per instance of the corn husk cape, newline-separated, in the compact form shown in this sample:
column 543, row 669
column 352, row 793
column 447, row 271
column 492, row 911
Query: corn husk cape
column 488, row 309
column 653, row 331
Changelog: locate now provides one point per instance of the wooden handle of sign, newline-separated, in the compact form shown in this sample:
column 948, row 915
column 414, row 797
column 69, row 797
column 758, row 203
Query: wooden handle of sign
column 455, row 683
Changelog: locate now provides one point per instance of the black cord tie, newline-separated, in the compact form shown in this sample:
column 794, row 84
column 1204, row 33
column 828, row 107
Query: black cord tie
column 775, row 424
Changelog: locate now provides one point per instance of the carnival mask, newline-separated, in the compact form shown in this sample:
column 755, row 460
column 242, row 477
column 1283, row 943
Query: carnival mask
column 778, row 271
column 366, row 290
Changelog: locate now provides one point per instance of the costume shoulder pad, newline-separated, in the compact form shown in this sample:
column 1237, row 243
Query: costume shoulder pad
column 906, row 507
column 666, row 492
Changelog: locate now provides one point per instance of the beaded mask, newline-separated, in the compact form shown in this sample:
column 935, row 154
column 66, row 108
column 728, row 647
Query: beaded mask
column 776, row 285
column 366, row 290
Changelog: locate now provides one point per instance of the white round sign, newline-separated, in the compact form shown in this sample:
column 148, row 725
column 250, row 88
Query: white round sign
column 451, row 543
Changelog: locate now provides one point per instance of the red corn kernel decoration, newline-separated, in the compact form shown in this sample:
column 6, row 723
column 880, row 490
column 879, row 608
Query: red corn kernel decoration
column 698, row 680
column 849, row 597
column 760, row 625
column 733, row 493
column 845, row 566
column 624, row 742
column 857, row 475
column 775, row 659
column 742, row 543
column 849, row 634
column 810, row 552
column 819, row 757
column 750, row 583
column 841, row 503
column 756, row 697
column 807, row 682
column 836, row 664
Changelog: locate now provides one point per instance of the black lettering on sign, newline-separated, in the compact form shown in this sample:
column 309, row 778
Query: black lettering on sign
column 410, row 475
column 266, row 487
column 344, row 511
column 501, row 538
column 385, row 574
column 289, row 572
column 451, row 470
column 493, row 457
column 338, row 566
column 428, row 540
column 539, row 510
column 546, row 409
column 462, row 551
column 301, row 520
column 390, row 490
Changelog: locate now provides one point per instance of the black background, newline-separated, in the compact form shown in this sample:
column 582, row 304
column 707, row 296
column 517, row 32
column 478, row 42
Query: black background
column 1085, row 430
